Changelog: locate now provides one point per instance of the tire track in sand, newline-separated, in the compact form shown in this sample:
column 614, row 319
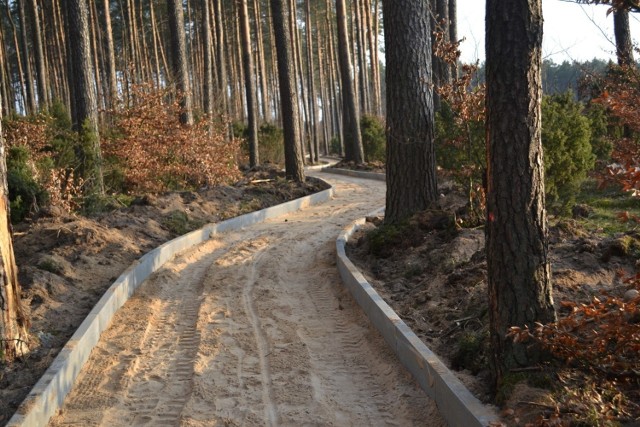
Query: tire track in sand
column 252, row 328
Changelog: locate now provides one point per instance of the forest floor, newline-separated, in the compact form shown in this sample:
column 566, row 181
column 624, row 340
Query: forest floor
column 433, row 273
column 66, row 262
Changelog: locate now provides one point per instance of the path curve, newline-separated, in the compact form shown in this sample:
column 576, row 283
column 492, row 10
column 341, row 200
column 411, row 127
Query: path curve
column 252, row 327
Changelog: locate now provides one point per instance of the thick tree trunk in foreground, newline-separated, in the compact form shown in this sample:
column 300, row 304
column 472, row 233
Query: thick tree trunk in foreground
column 517, row 246
column 350, row 113
column 13, row 324
column 294, row 168
column 622, row 32
column 411, row 167
column 179, row 59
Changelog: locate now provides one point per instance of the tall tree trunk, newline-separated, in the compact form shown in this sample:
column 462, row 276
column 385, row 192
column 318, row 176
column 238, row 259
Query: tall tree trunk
column 313, row 101
column 411, row 164
column 13, row 322
column 373, row 58
column 517, row 241
column 249, row 84
column 41, row 69
column 31, row 98
column 222, row 63
column 5, row 79
column 350, row 114
column 84, row 104
column 155, row 42
column 297, row 67
column 110, row 53
column 16, row 47
column 622, row 32
column 264, row 87
column 179, row 59
column 207, row 91
column 294, row 169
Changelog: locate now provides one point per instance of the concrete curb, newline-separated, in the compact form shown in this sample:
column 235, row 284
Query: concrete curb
column 48, row 395
column 357, row 174
column 456, row 404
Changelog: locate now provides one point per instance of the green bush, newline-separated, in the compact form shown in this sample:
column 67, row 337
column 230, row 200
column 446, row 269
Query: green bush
column 601, row 144
column 270, row 141
column 25, row 194
column 460, row 145
column 271, row 144
column 566, row 137
column 373, row 138
column 335, row 147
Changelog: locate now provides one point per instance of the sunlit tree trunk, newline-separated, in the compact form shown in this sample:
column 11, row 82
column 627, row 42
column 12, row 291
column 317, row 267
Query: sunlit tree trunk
column 84, row 104
column 249, row 84
column 207, row 91
column 41, row 69
column 13, row 323
column 350, row 115
column 31, row 98
column 313, row 103
column 288, row 98
column 179, row 59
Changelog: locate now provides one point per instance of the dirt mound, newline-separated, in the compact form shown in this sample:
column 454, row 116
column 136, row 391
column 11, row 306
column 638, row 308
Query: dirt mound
column 434, row 275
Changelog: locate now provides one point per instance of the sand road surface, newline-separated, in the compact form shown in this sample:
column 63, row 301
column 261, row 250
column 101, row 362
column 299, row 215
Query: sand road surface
column 252, row 327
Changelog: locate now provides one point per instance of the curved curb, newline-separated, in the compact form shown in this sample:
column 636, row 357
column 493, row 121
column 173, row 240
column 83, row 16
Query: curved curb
column 354, row 173
column 47, row 396
column 455, row 402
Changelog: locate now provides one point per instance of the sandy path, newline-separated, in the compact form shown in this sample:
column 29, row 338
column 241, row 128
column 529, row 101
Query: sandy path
column 251, row 328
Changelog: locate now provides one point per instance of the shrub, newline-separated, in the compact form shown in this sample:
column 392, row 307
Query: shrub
column 26, row 195
column 156, row 152
column 373, row 138
column 271, row 144
column 335, row 147
column 566, row 137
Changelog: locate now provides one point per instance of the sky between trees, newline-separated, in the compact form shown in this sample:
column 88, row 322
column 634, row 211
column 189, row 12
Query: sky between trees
column 571, row 31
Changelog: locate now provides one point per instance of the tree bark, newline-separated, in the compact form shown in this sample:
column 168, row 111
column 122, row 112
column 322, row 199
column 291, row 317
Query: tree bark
column 517, row 241
column 249, row 84
column 411, row 166
column 179, row 59
column 622, row 32
column 13, row 323
column 350, row 114
column 220, row 55
column 31, row 98
column 84, row 104
column 207, row 91
column 288, row 97
column 313, row 102
column 41, row 69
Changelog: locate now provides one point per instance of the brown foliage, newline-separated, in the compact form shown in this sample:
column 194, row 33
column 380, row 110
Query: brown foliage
column 620, row 95
column 601, row 340
column 157, row 152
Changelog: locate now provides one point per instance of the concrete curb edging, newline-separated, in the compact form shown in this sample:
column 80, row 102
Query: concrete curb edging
column 456, row 404
column 354, row 173
column 48, row 395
